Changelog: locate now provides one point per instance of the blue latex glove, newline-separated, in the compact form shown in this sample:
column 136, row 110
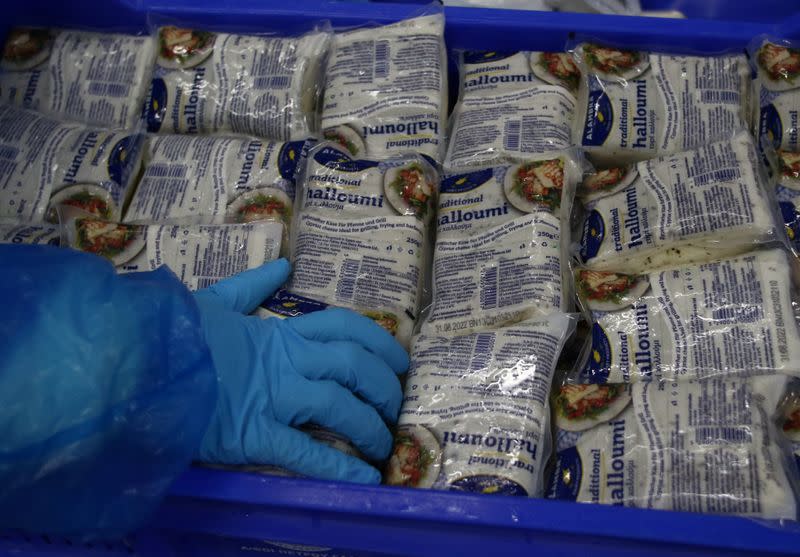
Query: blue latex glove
column 334, row 368
column 106, row 388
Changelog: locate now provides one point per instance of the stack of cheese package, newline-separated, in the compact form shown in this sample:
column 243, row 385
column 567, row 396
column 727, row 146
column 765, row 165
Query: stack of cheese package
column 684, row 272
column 209, row 196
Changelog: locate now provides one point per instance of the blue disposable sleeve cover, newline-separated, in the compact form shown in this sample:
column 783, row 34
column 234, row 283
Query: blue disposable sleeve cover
column 106, row 388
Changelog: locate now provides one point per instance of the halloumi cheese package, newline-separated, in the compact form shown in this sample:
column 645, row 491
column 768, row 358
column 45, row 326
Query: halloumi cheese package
column 692, row 206
column 361, row 236
column 386, row 89
column 731, row 317
column 502, row 244
column 708, row 446
column 262, row 86
column 475, row 415
column 30, row 234
column 787, row 192
column 46, row 162
column 200, row 255
column 635, row 105
column 205, row 179
column 99, row 79
column 776, row 92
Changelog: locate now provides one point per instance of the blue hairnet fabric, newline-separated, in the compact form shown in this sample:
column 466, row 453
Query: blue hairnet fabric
column 106, row 389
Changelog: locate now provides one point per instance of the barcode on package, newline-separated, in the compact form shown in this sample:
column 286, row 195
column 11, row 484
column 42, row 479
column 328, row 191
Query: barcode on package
column 272, row 82
column 382, row 59
column 163, row 170
column 205, row 282
column 714, row 435
column 100, row 89
column 347, row 282
column 8, row 152
column 489, row 288
column 720, row 97
column 511, row 135
column 482, row 354
column 723, row 175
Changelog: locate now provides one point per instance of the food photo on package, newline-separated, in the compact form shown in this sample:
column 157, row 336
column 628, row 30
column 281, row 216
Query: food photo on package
column 98, row 79
column 208, row 82
column 635, row 105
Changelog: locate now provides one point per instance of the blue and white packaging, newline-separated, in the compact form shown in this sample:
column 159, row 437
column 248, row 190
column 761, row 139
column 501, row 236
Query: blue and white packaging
column 46, row 162
column 29, row 234
column 712, row 202
column 732, row 317
column 386, row 88
column 707, row 446
column 99, row 79
column 262, row 86
column 636, row 105
column 476, row 415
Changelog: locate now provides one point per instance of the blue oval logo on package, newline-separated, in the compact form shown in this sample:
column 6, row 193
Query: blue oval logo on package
column 565, row 483
column 599, row 117
column 770, row 125
column 288, row 158
column 594, row 230
column 488, row 485
column 285, row 304
column 791, row 218
column 156, row 105
column 598, row 361
column 332, row 158
column 123, row 157
column 483, row 56
column 460, row 183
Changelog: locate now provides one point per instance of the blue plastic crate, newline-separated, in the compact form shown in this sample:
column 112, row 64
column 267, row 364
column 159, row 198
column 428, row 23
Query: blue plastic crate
column 210, row 512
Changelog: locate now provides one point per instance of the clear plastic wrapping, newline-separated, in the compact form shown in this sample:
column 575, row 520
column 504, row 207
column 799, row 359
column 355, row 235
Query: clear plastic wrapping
column 476, row 415
column 708, row 203
column 776, row 91
column 207, row 82
column 787, row 193
column 709, row 446
column 199, row 255
column 503, row 244
column 386, row 89
column 732, row 317
column 636, row 105
column 361, row 235
column 99, row 79
column 203, row 179
column 46, row 162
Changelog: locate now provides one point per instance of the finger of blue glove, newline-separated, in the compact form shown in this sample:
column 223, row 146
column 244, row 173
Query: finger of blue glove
column 329, row 405
column 284, row 446
column 355, row 368
column 337, row 324
column 244, row 292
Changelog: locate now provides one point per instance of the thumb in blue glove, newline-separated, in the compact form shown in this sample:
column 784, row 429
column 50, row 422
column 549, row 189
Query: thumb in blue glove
column 334, row 368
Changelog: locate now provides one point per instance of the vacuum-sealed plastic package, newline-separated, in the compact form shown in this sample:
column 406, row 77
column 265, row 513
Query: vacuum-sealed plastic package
column 200, row 255
column 489, row 72
column 635, row 105
column 190, row 179
column 708, row 446
column 361, row 237
column 776, row 91
column 475, row 415
column 729, row 317
column 386, row 89
column 208, row 82
column 29, row 234
column 711, row 202
column 99, row 79
column 46, row 162
column 502, row 244
column 787, row 193
column 507, row 127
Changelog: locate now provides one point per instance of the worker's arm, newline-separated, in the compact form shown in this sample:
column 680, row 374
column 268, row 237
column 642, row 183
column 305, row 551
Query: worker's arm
column 110, row 385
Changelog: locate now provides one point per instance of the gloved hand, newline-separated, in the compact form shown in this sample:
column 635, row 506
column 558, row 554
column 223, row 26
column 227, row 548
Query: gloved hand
column 334, row 368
